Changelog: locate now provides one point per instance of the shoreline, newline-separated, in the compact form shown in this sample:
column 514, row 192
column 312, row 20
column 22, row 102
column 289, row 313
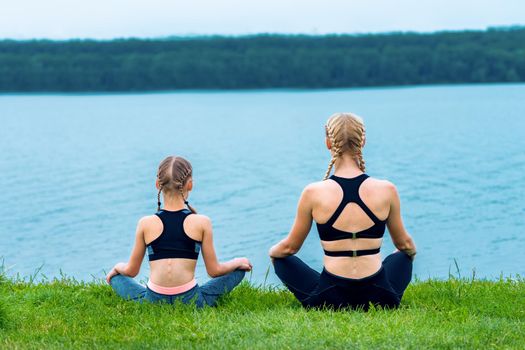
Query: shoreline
column 253, row 90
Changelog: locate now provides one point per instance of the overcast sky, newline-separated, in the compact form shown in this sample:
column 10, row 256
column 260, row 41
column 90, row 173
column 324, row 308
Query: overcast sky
column 104, row 19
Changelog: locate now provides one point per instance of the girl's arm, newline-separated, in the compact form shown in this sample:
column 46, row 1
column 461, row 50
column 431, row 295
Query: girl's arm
column 401, row 238
column 132, row 267
column 213, row 266
column 300, row 229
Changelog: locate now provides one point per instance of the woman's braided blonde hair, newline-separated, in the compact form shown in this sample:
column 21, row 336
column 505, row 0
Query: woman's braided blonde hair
column 346, row 132
column 174, row 173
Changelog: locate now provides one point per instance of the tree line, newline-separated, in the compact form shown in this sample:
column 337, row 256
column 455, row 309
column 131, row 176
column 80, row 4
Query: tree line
column 263, row 61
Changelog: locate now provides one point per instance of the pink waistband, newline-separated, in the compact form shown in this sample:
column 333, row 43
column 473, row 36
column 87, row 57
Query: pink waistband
column 172, row 290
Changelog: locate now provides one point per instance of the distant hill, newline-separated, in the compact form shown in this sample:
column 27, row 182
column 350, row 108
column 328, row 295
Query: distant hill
column 263, row 61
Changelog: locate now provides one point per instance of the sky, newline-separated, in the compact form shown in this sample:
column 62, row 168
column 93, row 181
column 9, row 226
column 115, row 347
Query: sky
column 106, row 19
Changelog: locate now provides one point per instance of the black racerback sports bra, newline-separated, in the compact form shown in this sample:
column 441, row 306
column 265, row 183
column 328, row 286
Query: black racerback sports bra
column 173, row 242
column 327, row 232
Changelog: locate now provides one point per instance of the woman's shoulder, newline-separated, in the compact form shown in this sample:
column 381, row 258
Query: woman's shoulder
column 380, row 185
column 370, row 181
column 314, row 192
column 315, row 187
column 383, row 183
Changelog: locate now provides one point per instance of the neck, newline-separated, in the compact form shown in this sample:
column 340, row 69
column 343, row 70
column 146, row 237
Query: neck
column 346, row 166
column 173, row 203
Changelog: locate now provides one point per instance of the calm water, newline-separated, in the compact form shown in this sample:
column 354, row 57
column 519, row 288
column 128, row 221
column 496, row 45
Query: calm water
column 77, row 172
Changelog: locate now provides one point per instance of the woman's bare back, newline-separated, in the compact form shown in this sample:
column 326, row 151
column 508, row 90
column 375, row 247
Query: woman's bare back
column 376, row 195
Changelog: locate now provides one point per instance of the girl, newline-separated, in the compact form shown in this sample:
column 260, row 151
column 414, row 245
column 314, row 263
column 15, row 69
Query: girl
column 351, row 210
column 173, row 238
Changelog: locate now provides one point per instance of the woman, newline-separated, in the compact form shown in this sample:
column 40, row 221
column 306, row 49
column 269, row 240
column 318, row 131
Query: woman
column 173, row 238
column 351, row 210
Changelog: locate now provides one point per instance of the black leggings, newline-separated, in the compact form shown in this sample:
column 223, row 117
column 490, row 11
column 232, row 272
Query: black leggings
column 313, row 289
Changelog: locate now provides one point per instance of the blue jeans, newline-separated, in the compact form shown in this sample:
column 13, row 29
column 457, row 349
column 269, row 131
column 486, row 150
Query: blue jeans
column 207, row 294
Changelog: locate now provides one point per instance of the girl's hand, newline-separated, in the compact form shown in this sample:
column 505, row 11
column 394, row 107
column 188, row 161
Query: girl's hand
column 111, row 273
column 117, row 269
column 243, row 264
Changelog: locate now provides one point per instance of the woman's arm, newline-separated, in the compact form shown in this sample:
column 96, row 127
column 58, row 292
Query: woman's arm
column 300, row 229
column 401, row 238
column 213, row 267
column 132, row 267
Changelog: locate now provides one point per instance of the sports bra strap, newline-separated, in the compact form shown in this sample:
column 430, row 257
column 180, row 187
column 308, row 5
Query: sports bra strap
column 336, row 213
column 351, row 195
column 352, row 253
column 367, row 210
column 327, row 231
column 173, row 242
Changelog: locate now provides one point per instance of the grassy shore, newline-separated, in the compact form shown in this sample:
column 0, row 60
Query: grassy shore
column 457, row 313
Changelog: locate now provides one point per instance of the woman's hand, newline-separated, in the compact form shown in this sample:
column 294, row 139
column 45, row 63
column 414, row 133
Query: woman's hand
column 273, row 251
column 282, row 249
column 243, row 264
column 410, row 253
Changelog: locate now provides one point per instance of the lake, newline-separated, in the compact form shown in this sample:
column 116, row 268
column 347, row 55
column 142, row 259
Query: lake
column 78, row 171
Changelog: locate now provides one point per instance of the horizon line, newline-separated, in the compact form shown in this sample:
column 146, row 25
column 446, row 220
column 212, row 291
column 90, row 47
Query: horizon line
column 510, row 27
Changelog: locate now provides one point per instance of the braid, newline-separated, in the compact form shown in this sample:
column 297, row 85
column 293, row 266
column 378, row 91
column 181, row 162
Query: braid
column 182, row 193
column 184, row 177
column 360, row 159
column 172, row 176
column 192, row 209
column 336, row 149
column 330, row 165
column 346, row 133
column 158, row 198
column 182, row 182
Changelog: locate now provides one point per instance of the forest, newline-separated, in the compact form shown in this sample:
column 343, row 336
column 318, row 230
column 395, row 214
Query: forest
column 263, row 61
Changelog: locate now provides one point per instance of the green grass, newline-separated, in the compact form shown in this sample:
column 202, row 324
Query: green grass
column 456, row 313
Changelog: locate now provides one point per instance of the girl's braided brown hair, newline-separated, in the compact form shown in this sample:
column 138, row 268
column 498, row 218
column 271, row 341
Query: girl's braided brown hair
column 173, row 175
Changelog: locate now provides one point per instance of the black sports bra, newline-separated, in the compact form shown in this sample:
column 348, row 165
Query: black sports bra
column 173, row 242
column 351, row 195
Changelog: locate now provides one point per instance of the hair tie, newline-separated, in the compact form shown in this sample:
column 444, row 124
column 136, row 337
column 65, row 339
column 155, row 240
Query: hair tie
column 186, row 202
